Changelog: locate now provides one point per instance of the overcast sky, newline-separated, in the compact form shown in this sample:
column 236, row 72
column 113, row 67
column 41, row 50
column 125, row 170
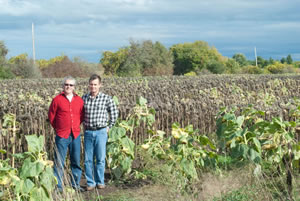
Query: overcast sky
column 86, row 28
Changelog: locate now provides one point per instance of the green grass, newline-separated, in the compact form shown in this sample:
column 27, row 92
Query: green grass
column 117, row 198
column 242, row 194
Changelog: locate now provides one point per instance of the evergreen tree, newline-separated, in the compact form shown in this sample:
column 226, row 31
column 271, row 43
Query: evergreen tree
column 271, row 61
column 283, row 60
column 289, row 59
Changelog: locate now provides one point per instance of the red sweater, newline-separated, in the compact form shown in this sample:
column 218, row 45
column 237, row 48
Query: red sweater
column 66, row 116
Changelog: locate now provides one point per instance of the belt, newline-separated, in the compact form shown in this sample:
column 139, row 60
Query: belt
column 93, row 128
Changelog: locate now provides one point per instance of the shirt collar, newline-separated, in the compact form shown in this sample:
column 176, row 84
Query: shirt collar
column 90, row 95
column 63, row 93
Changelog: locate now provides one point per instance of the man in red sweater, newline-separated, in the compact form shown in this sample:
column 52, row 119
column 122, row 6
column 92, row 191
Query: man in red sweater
column 66, row 114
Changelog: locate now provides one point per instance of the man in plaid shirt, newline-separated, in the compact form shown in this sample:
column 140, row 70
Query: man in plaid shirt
column 100, row 114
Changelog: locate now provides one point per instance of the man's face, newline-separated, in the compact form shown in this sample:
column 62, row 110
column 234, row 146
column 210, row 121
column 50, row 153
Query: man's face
column 69, row 86
column 94, row 86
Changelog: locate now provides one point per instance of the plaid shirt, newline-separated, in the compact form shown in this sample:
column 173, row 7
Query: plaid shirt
column 98, row 109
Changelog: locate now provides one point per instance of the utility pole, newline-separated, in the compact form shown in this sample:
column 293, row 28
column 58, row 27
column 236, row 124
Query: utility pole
column 255, row 56
column 33, row 48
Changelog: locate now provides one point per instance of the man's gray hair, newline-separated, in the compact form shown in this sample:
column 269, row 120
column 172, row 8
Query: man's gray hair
column 68, row 78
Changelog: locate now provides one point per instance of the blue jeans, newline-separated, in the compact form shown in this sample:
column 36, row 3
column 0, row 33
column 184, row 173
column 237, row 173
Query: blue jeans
column 62, row 146
column 95, row 151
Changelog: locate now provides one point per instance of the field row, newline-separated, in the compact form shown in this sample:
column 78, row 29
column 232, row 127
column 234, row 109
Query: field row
column 186, row 100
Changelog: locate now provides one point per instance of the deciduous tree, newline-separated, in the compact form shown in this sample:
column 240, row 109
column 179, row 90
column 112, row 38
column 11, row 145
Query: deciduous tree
column 194, row 57
column 3, row 53
column 261, row 62
column 138, row 59
column 232, row 66
column 112, row 61
column 24, row 67
column 240, row 59
column 5, row 71
column 216, row 67
column 64, row 68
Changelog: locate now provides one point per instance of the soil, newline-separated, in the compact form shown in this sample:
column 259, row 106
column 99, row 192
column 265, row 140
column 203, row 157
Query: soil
column 216, row 185
column 112, row 189
column 207, row 188
column 140, row 192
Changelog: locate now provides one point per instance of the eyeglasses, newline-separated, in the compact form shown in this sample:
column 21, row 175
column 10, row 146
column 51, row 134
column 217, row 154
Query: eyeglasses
column 70, row 85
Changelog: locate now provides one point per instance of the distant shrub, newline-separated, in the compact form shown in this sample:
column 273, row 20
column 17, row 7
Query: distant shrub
column 290, row 69
column 251, row 70
column 23, row 67
column 279, row 68
column 231, row 66
column 66, row 67
column 43, row 63
column 192, row 73
column 297, row 64
column 216, row 67
column 5, row 73
column 204, row 72
column 158, row 70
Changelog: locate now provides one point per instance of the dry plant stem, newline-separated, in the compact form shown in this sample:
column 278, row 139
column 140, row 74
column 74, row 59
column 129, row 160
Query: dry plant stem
column 298, row 139
column 1, row 142
column 13, row 142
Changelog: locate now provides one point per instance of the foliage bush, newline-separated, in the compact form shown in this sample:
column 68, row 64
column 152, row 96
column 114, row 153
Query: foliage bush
column 278, row 68
column 183, row 159
column 251, row 70
column 120, row 147
column 3, row 53
column 231, row 66
column 240, row 59
column 192, row 73
column 216, row 67
column 5, row 70
column 159, row 70
column 33, row 179
column 194, row 57
column 5, row 73
column 140, row 58
column 112, row 61
column 65, row 67
column 297, row 64
column 43, row 63
column 23, row 67
column 204, row 72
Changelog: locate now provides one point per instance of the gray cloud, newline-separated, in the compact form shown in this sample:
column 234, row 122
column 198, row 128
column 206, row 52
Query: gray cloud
column 86, row 28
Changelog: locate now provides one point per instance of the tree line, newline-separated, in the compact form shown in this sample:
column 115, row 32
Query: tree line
column 21, row 66
column 145, row 58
